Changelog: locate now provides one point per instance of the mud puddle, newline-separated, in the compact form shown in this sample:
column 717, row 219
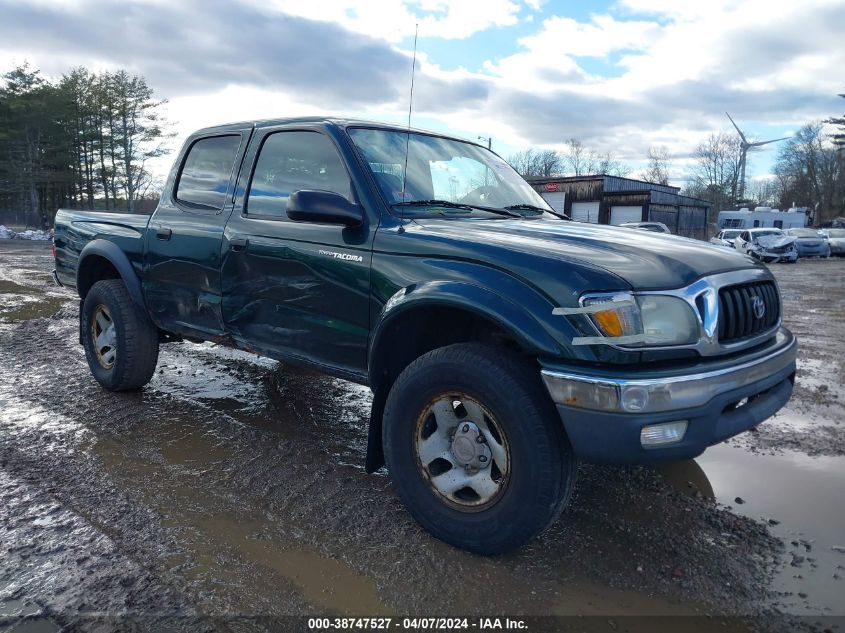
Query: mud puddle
column 801, row 498
column 22, row 303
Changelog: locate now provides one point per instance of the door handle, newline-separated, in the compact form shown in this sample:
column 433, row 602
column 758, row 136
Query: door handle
column 163, row 234
column 238, row 244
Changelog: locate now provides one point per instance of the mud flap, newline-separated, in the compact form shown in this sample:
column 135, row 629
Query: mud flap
column 375, row 448
column 81, row 302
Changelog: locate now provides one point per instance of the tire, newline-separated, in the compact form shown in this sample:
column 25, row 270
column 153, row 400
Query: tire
column 501, row 398
column 125, row 359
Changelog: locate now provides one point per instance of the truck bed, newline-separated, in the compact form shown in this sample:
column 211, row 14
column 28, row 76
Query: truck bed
column 75, row 229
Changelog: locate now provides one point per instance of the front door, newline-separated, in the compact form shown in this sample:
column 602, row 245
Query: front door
column 297, row 289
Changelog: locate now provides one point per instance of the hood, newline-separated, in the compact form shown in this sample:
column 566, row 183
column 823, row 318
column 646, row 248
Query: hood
column 643, row 259
column 774, row 241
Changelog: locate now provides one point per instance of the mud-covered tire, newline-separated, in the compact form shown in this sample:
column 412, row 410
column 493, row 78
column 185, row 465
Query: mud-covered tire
column 134, row 340
column 540, row 462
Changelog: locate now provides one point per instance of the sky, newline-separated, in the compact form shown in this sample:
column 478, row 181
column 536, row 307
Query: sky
column 620, row 75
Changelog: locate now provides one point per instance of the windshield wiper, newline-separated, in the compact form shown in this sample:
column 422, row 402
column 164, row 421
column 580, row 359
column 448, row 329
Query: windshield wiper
column 531, row 207
column 457, row 205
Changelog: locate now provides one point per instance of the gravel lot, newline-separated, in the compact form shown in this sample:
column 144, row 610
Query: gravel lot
column 231, row 493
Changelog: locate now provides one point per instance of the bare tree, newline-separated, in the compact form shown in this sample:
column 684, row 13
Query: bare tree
column 838, row 138
column 809, row 171
column 580, row 161
column 532, row 162
column 577, row 158
column 659, row 165
column 764, row 192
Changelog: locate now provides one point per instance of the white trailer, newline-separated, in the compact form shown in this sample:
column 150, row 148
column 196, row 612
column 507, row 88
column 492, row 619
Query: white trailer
column 763, row 217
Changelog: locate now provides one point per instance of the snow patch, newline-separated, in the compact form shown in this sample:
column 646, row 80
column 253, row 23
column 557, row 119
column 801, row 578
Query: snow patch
column 29, row 234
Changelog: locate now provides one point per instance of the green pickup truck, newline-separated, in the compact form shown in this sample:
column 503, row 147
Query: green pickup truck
column 503, row 342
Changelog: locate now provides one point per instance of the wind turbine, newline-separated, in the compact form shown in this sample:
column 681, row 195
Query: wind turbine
column 744, row 147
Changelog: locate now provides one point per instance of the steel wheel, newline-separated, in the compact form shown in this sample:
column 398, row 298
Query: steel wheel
column 104, row 336
column 462, row 452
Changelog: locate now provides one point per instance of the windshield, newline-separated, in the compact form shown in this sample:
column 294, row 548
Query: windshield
column 802, row 232
column 729, row 235
column 836, row 233
column 443, row 170
column 756, row 234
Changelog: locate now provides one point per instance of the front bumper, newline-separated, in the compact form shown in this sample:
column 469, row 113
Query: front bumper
column 601, row 429
column 813, row 251
column 771, row 257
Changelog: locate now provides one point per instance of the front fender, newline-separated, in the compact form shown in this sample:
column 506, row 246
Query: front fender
column 117, row 258
column 511, row 317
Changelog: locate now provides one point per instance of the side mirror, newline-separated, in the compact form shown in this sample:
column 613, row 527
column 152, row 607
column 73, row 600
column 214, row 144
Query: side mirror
column 324, row 207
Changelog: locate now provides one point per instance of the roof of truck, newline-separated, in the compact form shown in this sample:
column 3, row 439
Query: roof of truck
column 330, row 120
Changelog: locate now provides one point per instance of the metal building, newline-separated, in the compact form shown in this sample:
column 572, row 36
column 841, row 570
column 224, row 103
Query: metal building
column 613, row 200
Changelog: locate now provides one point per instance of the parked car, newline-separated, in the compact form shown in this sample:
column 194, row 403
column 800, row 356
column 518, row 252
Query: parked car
column 725, row 237
column 654, row 227
column 503, row 342
column 835, row 240
column 767, row 245
column 809, row 242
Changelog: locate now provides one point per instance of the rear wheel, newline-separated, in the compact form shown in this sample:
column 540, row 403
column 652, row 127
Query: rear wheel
column 476, row 449
column 120, row 341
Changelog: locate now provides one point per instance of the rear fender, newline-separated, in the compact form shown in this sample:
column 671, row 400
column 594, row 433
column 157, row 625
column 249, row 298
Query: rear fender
column 117, row 258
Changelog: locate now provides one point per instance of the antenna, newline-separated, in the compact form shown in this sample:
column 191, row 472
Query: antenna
column 410, row 109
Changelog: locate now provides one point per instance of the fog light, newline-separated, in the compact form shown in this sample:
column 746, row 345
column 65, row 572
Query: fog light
column 660, row 434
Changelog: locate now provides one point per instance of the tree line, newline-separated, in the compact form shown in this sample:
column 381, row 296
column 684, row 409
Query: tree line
column 575, row 160
column 809, row 170
column 81, row 141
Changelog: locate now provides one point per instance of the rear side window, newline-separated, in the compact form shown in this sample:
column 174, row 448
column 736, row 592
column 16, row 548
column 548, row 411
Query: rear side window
column 293, row 161
column 204, row 179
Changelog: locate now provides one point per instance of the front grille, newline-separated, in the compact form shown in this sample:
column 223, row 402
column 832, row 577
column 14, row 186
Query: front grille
column 737, row 320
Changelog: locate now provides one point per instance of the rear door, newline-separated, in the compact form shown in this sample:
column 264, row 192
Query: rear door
column 297, row 289
column 181, row 279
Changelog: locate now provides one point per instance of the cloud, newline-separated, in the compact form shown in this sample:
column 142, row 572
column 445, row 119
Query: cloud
column 393, row 21
column 188, row 47
column 643, row 72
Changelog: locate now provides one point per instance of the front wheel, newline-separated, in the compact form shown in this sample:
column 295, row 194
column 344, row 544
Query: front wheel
column 120, row 341
column 476, row 449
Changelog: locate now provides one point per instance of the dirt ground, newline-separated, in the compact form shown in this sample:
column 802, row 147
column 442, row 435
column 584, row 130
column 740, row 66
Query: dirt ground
column 230, row 493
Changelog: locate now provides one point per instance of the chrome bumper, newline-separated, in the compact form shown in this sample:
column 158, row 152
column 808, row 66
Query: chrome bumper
column 673, row 393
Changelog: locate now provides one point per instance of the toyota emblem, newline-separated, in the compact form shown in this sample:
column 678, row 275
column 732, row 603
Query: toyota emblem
column 759, row 307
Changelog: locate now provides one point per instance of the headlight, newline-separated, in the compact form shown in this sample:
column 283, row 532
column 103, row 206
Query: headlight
column 654, row 320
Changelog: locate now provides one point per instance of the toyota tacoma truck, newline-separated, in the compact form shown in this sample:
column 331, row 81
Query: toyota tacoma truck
column 503, row 342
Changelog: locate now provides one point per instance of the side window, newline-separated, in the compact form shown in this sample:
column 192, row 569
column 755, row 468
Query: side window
column 292, row 161
column 204, row 179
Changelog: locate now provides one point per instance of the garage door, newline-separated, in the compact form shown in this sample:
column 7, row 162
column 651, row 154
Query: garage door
column 556, row 199
column 585, row 211
column 618, row 215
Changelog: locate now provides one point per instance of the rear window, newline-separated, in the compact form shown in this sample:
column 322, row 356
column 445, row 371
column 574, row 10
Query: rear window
column 204, row 179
